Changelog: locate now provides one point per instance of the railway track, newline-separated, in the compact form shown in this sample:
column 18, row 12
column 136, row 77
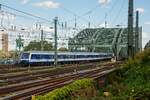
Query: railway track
column 24, row 91
column 12, row 79
column 16, row 68
column 13, row 69
column 17, row 78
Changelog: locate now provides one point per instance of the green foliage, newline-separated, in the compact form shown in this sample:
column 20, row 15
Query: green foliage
column 66, row 92
column 33, row 45
column 142, row 58
column 62, row 49
column 6, row 55
column 132, row 81
column 19, row 42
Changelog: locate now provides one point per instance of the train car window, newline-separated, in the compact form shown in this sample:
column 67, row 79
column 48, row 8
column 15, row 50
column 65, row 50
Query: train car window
column 78, row 56
column 48, row 57
column 93, row 56
column 35, row 56
column 64, row 56
column 75, row 56
column 51, row 56
column 87, row 56
column 82, row 56
column 90, row 56
column 67, row 56
column 25, row 56
column 60, row 56
column 45, row 57
column 72, row 56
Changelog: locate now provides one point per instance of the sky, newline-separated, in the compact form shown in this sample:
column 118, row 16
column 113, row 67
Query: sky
column 84, row 11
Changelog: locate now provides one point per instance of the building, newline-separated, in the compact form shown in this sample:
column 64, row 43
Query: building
column 8, row 40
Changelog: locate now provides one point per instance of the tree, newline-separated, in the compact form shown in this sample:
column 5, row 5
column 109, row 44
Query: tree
column 19, row 43
column 4, row 54
column 36, row 46
column 62, row 49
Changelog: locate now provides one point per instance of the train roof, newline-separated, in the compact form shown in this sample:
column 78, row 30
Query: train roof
column 69, row 53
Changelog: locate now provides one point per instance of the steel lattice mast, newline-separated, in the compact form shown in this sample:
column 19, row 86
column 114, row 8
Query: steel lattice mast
column 130, row 29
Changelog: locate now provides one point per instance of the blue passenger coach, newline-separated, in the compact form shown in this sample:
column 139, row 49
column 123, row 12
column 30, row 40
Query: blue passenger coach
column 44, row 58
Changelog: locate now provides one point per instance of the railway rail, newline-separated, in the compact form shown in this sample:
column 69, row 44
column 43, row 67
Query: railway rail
column 7, row 79
column 25, row 90
column 15, row 68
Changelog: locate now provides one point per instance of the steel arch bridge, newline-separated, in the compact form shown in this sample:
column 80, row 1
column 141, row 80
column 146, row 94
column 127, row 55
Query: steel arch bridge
column 147, row 45
column 112, row 40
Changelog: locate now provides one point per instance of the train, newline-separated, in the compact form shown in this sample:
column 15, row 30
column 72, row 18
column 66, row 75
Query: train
column 47, row 58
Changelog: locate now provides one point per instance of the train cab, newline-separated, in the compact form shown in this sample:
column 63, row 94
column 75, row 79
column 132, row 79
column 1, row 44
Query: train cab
column 24, row 58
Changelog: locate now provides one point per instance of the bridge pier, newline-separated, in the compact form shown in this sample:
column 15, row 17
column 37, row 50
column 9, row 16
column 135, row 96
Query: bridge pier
column 101, row 81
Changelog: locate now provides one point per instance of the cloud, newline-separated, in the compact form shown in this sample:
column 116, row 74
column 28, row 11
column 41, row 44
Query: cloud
column 24, row 1
column 141, row 10
column 48, row 4
column 145, row 35
column 104, row 2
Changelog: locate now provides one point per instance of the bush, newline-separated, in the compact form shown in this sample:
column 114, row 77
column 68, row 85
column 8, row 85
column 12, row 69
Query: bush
column 132, row 81
column 68, row 92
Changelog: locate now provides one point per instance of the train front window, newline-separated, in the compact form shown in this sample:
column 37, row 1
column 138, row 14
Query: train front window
column 25, row 56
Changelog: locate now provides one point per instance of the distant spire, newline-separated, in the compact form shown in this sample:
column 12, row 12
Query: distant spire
column 89, row 25
column 65, row 25
column 106, row 20
column 75, row 22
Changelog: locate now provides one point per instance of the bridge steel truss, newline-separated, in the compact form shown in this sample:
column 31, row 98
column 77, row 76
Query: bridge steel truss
column 112, row 40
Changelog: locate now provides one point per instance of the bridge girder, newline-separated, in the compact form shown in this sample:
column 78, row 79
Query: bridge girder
column 101, row 40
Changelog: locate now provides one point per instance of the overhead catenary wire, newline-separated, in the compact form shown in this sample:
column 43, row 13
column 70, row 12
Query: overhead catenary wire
column 119, row 12
column 109, row 11
column 26, row 13
column 76, row 15
column 91, row 10
column 86, row 13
